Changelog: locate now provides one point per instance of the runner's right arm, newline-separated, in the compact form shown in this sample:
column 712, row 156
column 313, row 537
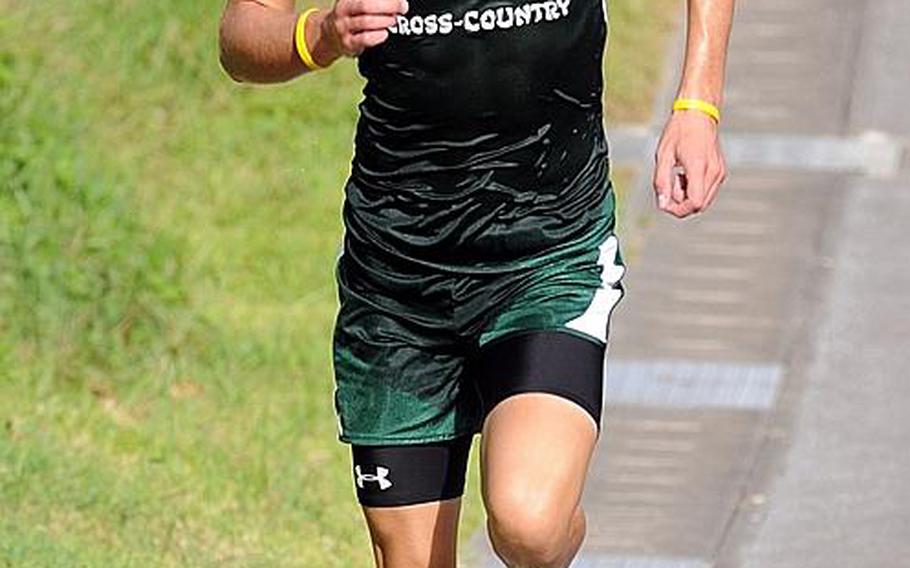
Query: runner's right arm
column 257, row 36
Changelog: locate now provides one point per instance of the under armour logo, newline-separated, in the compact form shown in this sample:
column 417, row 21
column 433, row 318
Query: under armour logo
column 381, row 477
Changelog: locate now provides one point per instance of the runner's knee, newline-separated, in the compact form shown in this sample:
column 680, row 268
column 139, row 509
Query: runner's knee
column 528, row 527
column 422, row 535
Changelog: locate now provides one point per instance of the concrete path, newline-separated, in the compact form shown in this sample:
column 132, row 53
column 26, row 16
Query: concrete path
column 757, row 413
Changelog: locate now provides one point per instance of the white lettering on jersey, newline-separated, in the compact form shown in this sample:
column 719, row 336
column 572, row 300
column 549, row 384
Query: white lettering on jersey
column 500, row 18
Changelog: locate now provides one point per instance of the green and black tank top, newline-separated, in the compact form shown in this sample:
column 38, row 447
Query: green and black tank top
column 480, row 142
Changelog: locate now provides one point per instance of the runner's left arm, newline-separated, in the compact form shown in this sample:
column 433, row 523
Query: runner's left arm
column 690, row 137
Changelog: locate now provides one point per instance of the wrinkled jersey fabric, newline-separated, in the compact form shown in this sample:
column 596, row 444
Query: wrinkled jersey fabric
column 480, row 143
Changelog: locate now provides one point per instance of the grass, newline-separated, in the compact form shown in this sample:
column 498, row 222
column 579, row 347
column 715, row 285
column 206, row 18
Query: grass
column 639, row 30
column 166, row 294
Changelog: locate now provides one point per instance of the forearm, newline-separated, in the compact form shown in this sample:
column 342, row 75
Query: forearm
column 689, row 140
column 708, row 33
column 257, row 41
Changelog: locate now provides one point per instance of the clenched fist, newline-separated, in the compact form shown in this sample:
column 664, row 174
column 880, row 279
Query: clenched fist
column 689, row 164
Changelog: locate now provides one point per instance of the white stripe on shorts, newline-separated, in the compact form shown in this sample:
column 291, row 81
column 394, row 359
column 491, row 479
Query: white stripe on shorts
column 596, row 317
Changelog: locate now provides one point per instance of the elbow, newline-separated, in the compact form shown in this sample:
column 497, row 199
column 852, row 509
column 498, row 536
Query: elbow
column 227, row 54
column 230, row 69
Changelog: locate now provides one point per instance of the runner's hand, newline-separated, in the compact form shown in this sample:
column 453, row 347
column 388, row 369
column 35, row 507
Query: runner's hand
column 689, row 164
column 355, row 25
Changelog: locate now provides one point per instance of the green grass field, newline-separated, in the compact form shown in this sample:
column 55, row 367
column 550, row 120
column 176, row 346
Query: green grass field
column 167, row 241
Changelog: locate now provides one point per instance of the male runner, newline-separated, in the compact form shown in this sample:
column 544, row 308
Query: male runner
column 479, row 268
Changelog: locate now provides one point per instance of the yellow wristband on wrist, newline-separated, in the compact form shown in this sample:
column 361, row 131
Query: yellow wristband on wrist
column 300, row 41
column 699, row 105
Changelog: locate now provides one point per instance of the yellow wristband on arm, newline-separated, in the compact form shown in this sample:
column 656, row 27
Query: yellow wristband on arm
column 300, row 41
column 699, row 105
